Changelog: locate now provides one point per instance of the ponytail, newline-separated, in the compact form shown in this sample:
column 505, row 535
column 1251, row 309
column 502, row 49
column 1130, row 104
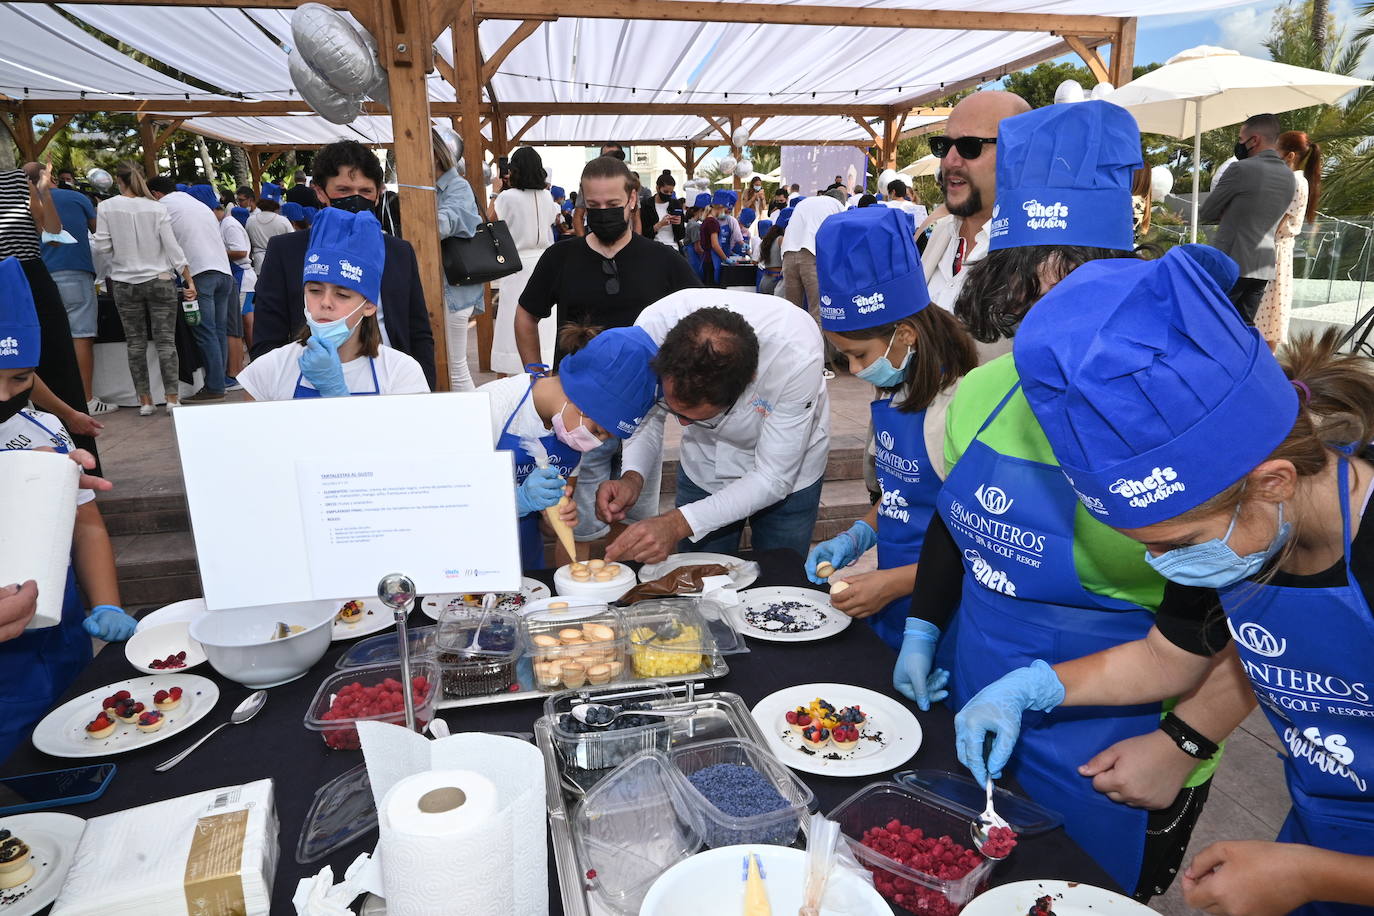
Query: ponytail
column 573, row 337
column 131, row 177
column 1308, row 156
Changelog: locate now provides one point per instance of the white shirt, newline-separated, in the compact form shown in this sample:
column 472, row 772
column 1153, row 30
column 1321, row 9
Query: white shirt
column 262, row 226
column 133, row 240
column 664, row 235
column 236, row 239
column 529, row 216
column 273, row 376
column 917, row 210
column 807, row 217
column 21, row 432
column 944, row 284
column 776, row 437
column 506, row 395
column 197, row 233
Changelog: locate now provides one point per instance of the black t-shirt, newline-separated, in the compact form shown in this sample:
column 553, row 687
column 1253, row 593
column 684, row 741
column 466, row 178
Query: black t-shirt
column 572, row 277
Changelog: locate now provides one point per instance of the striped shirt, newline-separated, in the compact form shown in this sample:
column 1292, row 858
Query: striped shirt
column 18, row 234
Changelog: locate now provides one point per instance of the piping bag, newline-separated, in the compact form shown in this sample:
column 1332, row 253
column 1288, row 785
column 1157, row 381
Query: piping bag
column 536, row 450
column 825, row 853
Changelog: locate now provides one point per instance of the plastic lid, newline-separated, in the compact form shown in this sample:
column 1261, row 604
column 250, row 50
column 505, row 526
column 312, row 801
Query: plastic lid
column 660, row 623
column 473, row 633
column 728, row 640
column 1025, row 816
column 385, row 648
column 343, row 810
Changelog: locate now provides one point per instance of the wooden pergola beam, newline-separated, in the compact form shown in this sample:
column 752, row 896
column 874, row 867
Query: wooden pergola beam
column 1123, row 54
column 1096, row 65
column 166, row 133
column 493, row 63
column 871, row 132
column 1058, row 49
column 41, row 143
column 519, row 134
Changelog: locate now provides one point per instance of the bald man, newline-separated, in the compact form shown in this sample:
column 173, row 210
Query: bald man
column 970, row 181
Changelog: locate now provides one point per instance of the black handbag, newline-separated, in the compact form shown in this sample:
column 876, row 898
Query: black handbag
column 489, row 255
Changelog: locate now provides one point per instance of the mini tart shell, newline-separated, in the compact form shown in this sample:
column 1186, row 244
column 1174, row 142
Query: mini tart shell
column 599, row 674
column 130, row 720
column 169, row 703
column 815, row 744
column 152, row 726
column 102, row 733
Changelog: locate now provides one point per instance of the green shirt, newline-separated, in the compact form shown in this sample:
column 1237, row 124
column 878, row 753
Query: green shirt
column 1108, row 562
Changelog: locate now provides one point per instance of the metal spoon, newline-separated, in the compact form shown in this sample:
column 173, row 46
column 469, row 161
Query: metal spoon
column 989, row 819
column 579, row 712
column 246, row 710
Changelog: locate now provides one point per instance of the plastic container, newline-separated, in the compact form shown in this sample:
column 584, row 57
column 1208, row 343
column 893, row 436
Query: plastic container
column 477, row 651
column 575, row 646
column 966, row 797
column 343, row 810
column 633, row 826
column 342, row 734
column 668, row 638
column 609, row 747
column 718, row 828
column 877, row 804
column 384, row 648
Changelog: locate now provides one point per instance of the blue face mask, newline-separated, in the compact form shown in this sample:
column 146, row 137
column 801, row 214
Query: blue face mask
column 1213, row 564
column 334, row 332
column 881, row 373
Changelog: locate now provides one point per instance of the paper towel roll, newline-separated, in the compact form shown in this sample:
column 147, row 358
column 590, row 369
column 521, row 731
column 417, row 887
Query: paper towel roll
column 38, row 491
column 435, row 829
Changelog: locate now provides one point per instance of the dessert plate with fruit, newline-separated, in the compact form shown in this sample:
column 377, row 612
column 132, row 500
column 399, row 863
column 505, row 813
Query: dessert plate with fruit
column 787, row 614
column 125, row 716
column 35, row 852
column 511, row 602
column 837, row 729
column 361, row 617
column 1052, row 898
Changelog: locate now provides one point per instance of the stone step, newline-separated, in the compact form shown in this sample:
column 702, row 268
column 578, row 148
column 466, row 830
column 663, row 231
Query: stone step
column 156, row 569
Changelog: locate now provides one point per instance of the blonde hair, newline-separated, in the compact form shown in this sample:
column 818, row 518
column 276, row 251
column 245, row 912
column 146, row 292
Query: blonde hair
column 443, row 159
column 130, row 176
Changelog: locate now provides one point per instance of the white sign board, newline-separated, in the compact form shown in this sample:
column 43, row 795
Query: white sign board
column 318, row 499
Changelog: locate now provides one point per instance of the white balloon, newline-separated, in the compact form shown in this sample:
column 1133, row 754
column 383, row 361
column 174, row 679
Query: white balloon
column 101, row 179
column 744, row 168
column 727, row 165
column 740, row 138
column 886, row 178
column 1103, row 90
column 331, row 104
column 1216, row 176
column 1068, row 91
column 335, row 50
column 1161, row 182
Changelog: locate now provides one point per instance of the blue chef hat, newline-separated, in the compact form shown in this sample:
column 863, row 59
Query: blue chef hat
column 724, row 198
column 765, row 225
column 747, row 217
column 1064, row 177
column 785, row 217
column 557, row 192
column 611, row 381
column 240, row 214
column 182, row 187
column 20, row 339
column 869, row 271
column 293, row 211
column 346, row 249
column 310, row 214
column 1154, row 395
column 271, row 191
column 1217, row 263
column 205, row 194
column 702, row 200
column 795, row 200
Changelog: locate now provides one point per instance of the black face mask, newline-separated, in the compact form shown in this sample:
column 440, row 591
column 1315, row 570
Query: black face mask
column 664, row 198
column 607, row 225
column 1242, row 151
column 13, row 406
column 353, row 203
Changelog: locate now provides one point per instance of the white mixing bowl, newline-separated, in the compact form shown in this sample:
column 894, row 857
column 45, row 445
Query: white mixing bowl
column 239, row 643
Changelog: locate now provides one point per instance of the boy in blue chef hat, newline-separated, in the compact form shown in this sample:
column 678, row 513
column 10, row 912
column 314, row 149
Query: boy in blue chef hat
column 700, row 209
column 295, row 215
column 875, row 310
column 340, row 350
column 41, row 663
column 742, row 248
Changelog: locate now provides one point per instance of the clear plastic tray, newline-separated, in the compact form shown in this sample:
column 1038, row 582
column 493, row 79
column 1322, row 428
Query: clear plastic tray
column 967, row 797
column 477, row 651
column 384, row 648
column 575, row 646
column 717, row 827
column 726, row 638
column 668, row 637
column 342, row 734
column 605, row 748
column 343, row 811
column 877, row 804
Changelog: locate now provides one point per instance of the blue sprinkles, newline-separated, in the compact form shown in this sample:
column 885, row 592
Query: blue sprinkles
column 740, row 791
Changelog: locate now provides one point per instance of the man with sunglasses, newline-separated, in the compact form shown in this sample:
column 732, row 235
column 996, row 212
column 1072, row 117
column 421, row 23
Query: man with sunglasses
column 741, row 374
column 968, row 163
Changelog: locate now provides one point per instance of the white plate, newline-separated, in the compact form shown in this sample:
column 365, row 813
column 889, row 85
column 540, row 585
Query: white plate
column 62, row 733
column 1070, row 899
column 890, row 737
column 743, row 573
column 709, row 882
column 532, row 589
column 815, row 611
column 376, row 618
column 187, row 610
column 158, row 642
column 52, row 840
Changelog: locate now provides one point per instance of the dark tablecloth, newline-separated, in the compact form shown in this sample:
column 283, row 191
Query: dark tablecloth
column 738, row 275
column 276, row 745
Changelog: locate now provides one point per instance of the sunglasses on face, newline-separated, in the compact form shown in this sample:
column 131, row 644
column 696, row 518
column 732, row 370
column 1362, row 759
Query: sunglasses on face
column 968, row 147
column 612, row 275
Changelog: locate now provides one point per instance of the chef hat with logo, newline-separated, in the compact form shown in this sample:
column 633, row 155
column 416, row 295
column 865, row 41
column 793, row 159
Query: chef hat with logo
column 869, row 270
column 747, row 217
column 1064, row 177
column 346, row 249
column 293, row 211
column 205, row 194
column 702, row 200
column 20, row 339
column 1154, row 395
column 611, row 380
column 271, row 191
column 724, row 198
column 785, row 217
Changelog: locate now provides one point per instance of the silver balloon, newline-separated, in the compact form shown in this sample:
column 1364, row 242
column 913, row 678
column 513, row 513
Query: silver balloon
column 744, row 168
column 100, row 179
column 727, row 165
column 740, row 138
column 1068, row 91
column 333, row 47
column 379, row 91
column 331, row 104
column 453, row 140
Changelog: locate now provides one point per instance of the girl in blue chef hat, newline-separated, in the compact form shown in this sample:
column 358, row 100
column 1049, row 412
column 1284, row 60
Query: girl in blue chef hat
column 340, row 350
column 604, row 388
column 741, row 247
column 719, row 231
column 875, row 310
column 40, row 664
column 1251, row 479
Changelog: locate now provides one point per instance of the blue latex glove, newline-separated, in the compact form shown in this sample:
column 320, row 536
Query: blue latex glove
column 542, row 489
column 321, row 367
column 997, row 709
column 913, row 676
column 841, row 550
column 109, row 623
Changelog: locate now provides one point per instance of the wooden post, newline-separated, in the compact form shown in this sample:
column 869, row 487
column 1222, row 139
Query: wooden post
column 147, row 138
column 254, row 170
column 406, row 49
column 467, row 68
column 1123, row 54
column 737, row 152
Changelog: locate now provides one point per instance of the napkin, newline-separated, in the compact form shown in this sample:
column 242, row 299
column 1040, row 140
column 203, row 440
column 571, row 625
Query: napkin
column 318, row 895
column 38, row 491
column 511, row 849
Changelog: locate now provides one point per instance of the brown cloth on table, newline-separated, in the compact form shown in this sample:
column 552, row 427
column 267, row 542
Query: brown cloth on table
column 685, row 580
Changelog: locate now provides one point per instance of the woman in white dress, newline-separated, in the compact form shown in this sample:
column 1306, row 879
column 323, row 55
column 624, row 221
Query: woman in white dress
column 1305, row 158
column 529, row 212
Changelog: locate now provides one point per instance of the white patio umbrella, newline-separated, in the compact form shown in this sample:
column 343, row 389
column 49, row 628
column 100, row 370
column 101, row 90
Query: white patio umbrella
column 926, row 165
column 1205, row 88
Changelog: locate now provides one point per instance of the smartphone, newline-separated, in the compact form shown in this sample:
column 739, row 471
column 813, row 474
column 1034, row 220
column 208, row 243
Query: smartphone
column 54, row 788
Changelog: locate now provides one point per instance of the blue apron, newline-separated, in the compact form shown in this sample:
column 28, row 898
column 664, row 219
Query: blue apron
column 1307, row 652
column 1013, row 520
column 39, row 665
column 710, row 262
column 910, row 487
column 741, row 250
column 694, row 254
column 302, row 391
column 564, row 457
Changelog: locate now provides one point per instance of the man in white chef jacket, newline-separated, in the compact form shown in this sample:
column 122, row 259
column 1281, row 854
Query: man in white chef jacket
column 759, row 458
